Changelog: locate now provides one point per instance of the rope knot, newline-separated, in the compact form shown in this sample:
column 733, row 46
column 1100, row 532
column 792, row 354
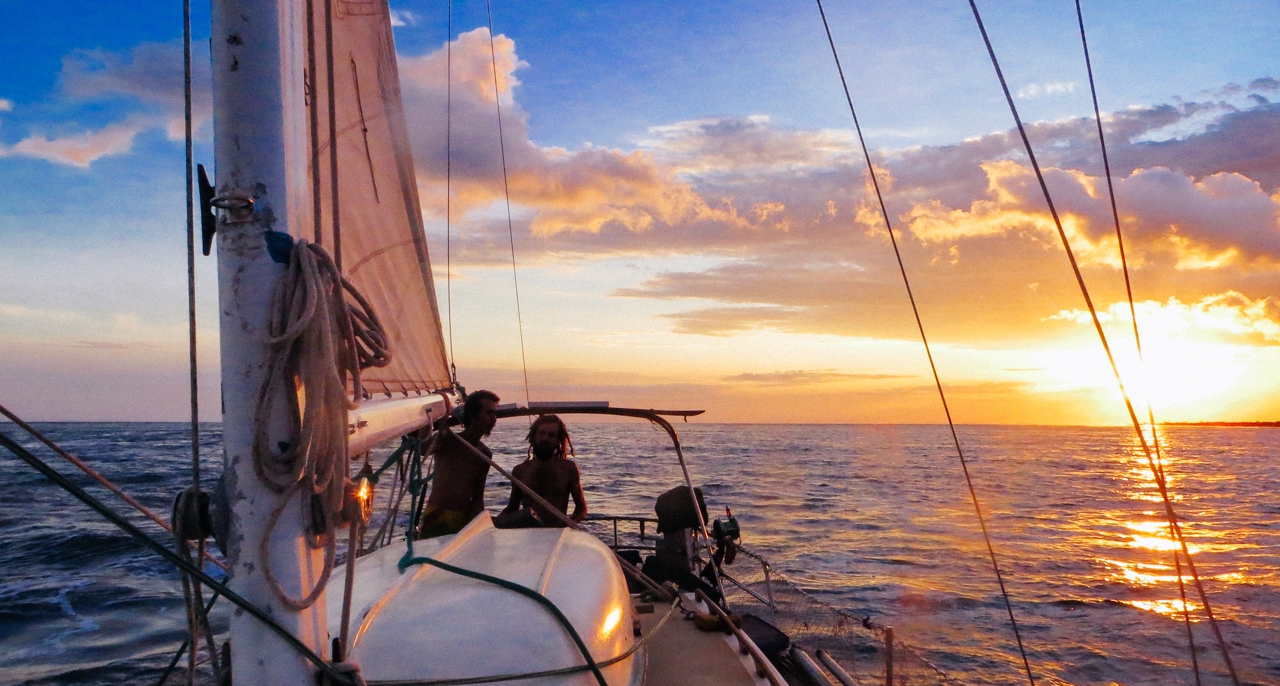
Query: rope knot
column 349, row 673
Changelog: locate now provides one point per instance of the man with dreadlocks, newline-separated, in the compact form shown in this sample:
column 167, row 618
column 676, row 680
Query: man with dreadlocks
column 548, row 472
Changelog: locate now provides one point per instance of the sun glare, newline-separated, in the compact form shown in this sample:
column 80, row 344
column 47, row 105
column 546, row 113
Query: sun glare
column 1180, row 378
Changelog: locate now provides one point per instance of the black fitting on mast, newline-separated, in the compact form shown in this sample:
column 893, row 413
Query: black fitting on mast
column 208, row 221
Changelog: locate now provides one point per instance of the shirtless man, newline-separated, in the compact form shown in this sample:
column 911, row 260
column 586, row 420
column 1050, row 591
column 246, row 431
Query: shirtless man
column 550, row 473
column 457, row 490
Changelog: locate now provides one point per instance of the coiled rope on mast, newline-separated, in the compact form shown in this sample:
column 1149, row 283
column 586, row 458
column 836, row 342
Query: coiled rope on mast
column 316, row 339
column 1156, row 470
column 884, row 213
column 1133, row 317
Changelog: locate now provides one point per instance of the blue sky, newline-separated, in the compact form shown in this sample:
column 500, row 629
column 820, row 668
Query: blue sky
column 712, row 102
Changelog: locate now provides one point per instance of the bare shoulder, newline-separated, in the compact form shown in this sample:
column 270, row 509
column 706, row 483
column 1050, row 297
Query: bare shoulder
column 522, row 469
column 447, row 442
column 570, row 468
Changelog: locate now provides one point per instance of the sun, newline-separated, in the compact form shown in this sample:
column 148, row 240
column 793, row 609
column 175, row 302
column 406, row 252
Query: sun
column 1180, row 378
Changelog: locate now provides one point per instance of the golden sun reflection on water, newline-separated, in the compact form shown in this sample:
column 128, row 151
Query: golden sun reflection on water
column 1161, row 543
column 1143, row 550
column 1172, row 607
column 1140, row 573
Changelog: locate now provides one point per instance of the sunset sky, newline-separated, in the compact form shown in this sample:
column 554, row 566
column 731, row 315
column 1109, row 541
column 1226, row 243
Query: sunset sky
column 692, row 225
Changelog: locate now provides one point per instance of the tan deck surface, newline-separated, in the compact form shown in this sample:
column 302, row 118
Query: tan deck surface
column 681, row 655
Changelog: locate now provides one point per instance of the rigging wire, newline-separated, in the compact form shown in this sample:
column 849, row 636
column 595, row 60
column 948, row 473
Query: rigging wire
column 333, row 137
column 506, row 190
column 314, row 111
column 191, row 245
column 1156, row 470
column 96, row 476
column 448, row 184
column 884, row 213
column 175, row 559
column 182, row 649
column 1133, row 317
column 197, row 616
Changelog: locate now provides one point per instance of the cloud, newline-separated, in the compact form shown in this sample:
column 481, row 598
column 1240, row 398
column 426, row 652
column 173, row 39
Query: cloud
column 1222, row 219
column 1229, row 316
column 403, row 18
column 145, row 82
column 726, row 321
column 78, row 150
column 1037, row 89
column 804, row 377
column 795, row 243
column 591, row 190
column 740, row 147
column 150, row 74
column 6, row 105
column 750, row 401
column 112, row 345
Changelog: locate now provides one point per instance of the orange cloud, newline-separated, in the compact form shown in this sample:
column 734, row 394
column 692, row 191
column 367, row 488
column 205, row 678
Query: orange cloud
column 586, row 190
column 148, row 77
column 80, row 149
column 1230, row 316
column 1224, row 219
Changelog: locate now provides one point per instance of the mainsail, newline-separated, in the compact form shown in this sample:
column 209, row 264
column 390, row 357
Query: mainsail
column 364, row 197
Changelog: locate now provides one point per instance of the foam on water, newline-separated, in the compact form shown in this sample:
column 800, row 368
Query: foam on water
column 872, row 519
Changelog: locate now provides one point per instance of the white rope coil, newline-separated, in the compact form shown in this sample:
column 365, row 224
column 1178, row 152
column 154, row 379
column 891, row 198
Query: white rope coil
column 316, row 339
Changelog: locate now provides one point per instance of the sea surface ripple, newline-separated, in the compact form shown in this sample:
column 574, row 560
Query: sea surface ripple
column 873, row 519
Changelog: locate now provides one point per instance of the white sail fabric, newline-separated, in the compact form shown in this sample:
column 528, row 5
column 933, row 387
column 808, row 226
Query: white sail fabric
column 378, row 239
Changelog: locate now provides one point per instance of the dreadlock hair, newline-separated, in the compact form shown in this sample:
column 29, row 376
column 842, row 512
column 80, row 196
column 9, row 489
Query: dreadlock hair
column 565, row 448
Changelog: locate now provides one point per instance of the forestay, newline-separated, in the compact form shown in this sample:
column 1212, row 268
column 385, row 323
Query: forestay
column 367, row 182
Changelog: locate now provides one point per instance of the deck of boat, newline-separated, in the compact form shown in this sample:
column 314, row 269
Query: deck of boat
column 682, row 655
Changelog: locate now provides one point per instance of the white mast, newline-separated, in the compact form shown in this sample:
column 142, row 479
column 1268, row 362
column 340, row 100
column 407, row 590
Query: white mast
column 259, row 56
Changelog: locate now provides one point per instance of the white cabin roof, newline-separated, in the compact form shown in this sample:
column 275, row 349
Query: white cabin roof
column 428, row 623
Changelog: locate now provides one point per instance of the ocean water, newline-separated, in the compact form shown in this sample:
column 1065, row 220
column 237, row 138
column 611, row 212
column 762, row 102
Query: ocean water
column 875, row 520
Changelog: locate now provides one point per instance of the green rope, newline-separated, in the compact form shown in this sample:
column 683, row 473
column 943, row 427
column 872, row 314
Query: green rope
column 406, row 442
column 522, row 676
column 409, row 560
column 416, row 486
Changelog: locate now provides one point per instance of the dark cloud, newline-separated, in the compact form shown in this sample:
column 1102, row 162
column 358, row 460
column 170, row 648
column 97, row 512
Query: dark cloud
column 887, row 402
column 1242, row 142
column 110, row 345
column 801, row 377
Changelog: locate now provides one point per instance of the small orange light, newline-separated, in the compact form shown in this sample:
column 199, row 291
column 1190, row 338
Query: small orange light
column 357, row 505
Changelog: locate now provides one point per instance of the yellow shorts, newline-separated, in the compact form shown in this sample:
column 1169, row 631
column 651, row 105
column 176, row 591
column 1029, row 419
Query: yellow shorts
column 438, row 522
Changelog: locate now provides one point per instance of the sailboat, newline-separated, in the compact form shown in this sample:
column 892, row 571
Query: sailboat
column 315, row 213
column 331, row 344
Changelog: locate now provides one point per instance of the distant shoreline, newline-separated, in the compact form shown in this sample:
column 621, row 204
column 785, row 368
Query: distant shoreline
column 1246, row 424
